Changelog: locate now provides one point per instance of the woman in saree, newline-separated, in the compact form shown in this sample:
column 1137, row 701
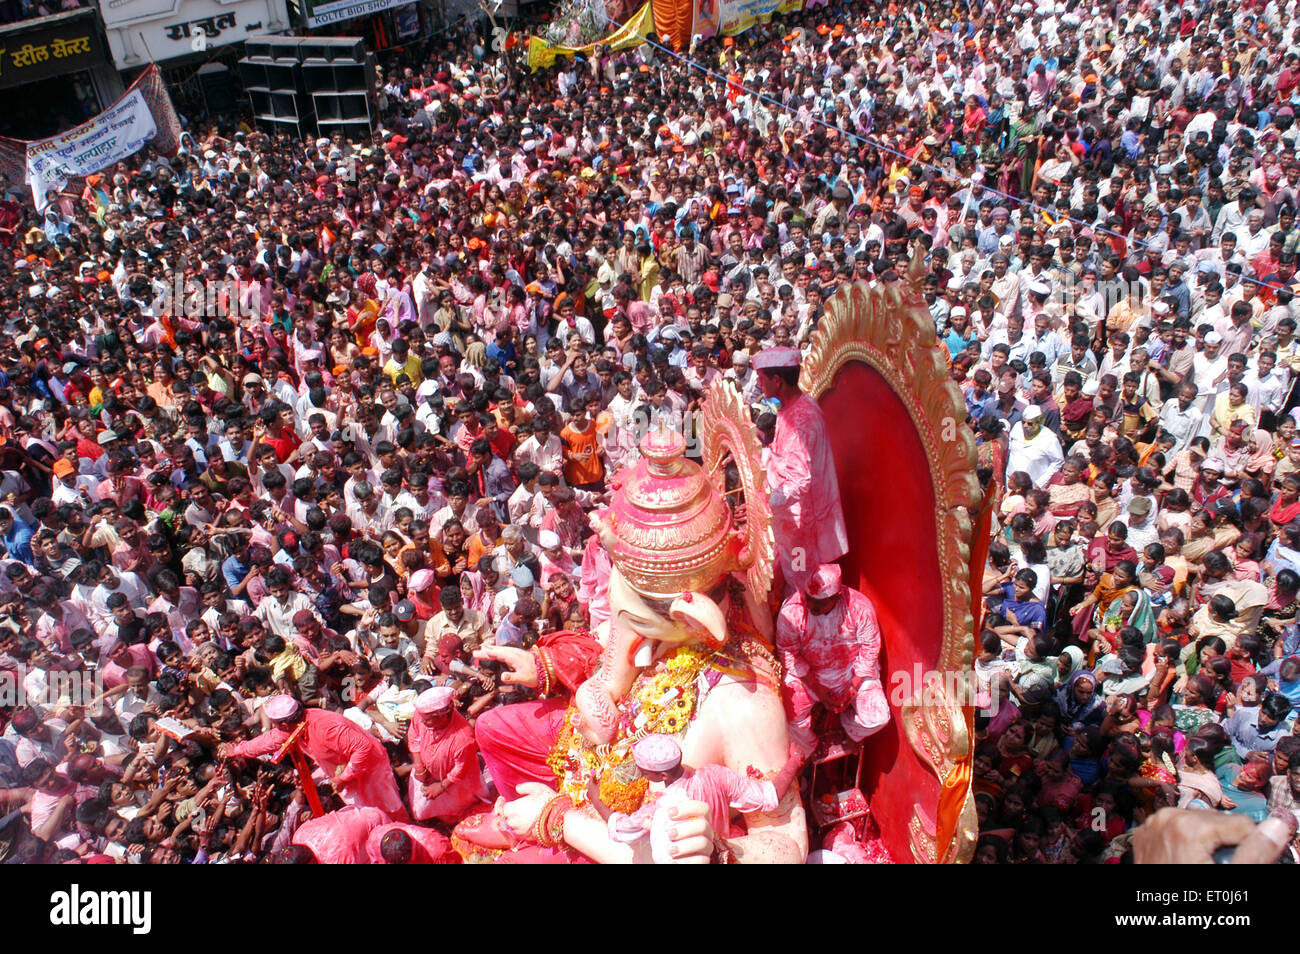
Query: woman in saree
column 1014, row 755
column 1124, row 679
column 1209, row 530
column 361, row 323
column 991, row 448
column 1284, row 553
column 1105, row 494
column 1067, row 492
column 1175, row 512
column 1105, row 609
column 1234, row 606
column 1282, row 607
column 1287, row 506
column 476, row 595
column 340, row 352
column 1076, row 412
column 475, row 358
column 1156, row 784
column 1195, row 710
column 381, row 341
column 1163, row 659
column 1079, row 700
column 1198, row 786
column 1261, row 462
column 1230, row 408
column 1069, row 662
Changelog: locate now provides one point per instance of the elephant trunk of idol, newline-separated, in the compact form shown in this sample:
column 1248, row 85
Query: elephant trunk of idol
column 692, row 618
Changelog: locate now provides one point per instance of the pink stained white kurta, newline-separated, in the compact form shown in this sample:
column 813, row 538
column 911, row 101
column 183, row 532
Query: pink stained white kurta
column 450, row 755
column 833, row 658
column 355, row 760
column 807, row 518
column 431, row 847
column 593, row 590
column 339, row 838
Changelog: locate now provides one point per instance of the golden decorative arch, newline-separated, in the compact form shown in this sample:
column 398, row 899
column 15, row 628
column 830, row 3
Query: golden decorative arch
column 729, row 429
column 887, row 326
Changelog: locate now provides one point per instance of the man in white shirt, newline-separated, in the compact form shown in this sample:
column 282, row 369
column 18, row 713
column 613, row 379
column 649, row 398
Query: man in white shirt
column 1142, row 529
column 278, row 608
column 526, row 505
column 744, row 377
column 1253, row 239
column 422, row 502
column 544, row 449
column 1182, row 418
column 1210, row 365
column 1034, row 449
column 1267, row 387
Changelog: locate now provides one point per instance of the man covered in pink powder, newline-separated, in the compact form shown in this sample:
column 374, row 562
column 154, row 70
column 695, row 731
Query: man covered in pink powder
column 828, row 641
column 445, row 778
column 353, row 760
column 807, row 518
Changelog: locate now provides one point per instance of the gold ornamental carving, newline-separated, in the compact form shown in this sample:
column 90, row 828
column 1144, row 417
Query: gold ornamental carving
column 729, row 433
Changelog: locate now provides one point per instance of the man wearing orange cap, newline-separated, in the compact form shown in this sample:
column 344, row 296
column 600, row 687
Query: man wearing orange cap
column 911, row 210
column 69, row 487
column 829, row 644
column 807, row 518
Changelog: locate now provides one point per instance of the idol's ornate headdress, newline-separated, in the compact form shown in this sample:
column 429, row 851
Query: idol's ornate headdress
column 669, row 529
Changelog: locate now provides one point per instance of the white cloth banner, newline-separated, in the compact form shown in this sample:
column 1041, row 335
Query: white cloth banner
column 96, row 144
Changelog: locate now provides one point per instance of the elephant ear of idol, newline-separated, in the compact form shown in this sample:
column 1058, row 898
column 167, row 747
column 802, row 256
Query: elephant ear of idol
column 728, row 435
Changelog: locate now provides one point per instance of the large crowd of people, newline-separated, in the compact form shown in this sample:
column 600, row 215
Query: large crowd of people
column 1127, row 351
column 300, row 438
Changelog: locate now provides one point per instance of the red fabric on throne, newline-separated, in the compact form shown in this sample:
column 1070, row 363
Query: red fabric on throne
column 889, row 501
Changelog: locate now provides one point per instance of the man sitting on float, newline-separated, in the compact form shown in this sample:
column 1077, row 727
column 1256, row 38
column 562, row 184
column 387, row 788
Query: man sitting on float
column 828, row 641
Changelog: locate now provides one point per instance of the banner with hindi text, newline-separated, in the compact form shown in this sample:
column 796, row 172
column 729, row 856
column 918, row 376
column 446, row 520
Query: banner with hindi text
column 737, row 16
column 96, row 144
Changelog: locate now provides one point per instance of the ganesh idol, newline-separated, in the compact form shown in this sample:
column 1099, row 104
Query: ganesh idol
column 685, row 654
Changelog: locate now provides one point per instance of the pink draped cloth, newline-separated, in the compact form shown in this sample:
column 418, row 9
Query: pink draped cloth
column 398, row 308
column 639, row 316
column 835, row 659
column 339, row 838
column 451, row 756
column 335, row 742
column 480, row 599
column 1261, row 461
column 809, row 524
column 515, row 740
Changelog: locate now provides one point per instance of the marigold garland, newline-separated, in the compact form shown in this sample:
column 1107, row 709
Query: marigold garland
column 620, row 796
column 662, row 701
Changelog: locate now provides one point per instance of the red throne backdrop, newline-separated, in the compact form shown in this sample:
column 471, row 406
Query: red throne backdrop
column 889, row 508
